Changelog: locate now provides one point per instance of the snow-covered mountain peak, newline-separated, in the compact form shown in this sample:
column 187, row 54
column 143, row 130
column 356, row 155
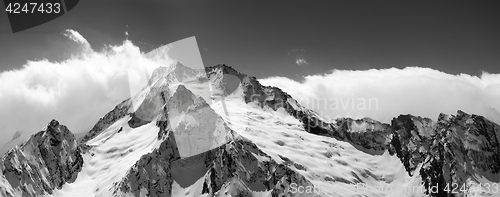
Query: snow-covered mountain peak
column 54, row 129
column 178, row 66
column 49, row 159
column 179, row 102
column 158, row 74
column 224, row 79
column 197, row 126
column 179, row 73
column 199, row 102
column 223, row 69
column 175, row 74
column 182, row 96
column 461, row 149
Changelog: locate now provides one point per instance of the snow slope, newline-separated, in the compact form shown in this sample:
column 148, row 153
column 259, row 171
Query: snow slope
column 335, row 167
column 114, row 151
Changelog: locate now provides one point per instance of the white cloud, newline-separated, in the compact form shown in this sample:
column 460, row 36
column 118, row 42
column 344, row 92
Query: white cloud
column 77, row 92
column 298, row 56
column 76, row 36
column 387, row 93
column 301, row 61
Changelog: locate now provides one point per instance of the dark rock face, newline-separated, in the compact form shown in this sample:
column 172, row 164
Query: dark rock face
column 367, row 133
column 152, row 172
column 239, row 159
column 480, row 142
column 409, row 142
column 233, row 163
column 451, row 151
column 414, row 143
column 45, row 162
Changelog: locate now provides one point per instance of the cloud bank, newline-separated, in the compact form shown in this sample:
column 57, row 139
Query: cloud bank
column 387, row 93
column 77, row 92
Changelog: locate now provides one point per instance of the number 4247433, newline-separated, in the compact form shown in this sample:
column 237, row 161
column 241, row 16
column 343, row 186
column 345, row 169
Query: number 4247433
column 17, row 8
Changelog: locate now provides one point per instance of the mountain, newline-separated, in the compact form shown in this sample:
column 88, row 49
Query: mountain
column 45, row 162
column 461, row 149
column 200, row 157
column 176, row 73
column 219, row 132
column 468, row 144
column 17, row 139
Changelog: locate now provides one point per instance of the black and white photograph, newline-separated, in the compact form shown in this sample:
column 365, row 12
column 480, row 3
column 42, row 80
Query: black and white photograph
column 220, row 98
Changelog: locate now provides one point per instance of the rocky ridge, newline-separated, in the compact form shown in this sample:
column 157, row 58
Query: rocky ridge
column 49, row 159
column 227, row 160
column 454, row 150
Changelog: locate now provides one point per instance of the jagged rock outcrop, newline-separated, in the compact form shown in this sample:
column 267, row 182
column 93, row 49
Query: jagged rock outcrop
column 366, row 132
column 151, row 175
column 225, row 78
column 253, row 168
column 49, row 159
column 239, row 161
column 412, row 139
column 451, row 151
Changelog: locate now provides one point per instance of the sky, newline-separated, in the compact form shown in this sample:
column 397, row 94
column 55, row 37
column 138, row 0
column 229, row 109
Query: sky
column 282, row 38
column 375, row 59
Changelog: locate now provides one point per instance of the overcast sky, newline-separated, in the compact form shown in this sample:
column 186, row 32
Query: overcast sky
column 282, row 38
